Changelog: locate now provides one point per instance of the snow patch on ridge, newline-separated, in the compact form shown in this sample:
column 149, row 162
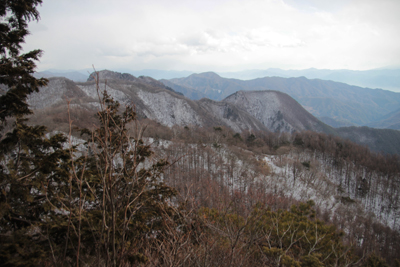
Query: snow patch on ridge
column 265, row 106
column 91, row 91
column 168, row 110
column 48, row 95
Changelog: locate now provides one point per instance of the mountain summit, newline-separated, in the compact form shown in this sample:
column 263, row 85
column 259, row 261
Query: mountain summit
column 277, row 111
column 108, row 75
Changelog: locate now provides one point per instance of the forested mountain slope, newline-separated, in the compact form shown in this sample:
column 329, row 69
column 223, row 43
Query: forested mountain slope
column 389, row 121
column 352, row 188
column 380, row 140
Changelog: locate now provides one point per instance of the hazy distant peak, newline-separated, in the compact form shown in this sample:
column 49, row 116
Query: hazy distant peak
column 150, row 80
column 153, row 82
column 257, row 93
column 73, row 75
column 210, row 75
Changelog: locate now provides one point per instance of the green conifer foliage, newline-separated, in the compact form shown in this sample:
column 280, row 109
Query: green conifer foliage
column 31, row 165
column 16, row 69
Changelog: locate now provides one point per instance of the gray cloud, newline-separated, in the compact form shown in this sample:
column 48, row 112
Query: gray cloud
column 217, row 35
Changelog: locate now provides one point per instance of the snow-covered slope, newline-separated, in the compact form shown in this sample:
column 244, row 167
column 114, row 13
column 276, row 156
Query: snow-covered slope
column 58, row 90
column 277, row 111
column 232, row 116
column 151, row 99
column 168, row 109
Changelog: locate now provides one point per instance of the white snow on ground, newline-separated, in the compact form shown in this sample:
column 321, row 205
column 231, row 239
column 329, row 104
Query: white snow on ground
column 299, row 175
column 264, row 106
column 168, row 110
column 307, row 186
column 335, row 189
column 332, row 188
column 91, row 91
column 48, row 95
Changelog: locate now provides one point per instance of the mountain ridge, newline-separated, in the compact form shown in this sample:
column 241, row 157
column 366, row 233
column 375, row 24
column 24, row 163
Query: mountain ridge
column 352, row 104
column 388, row 79
column 384, row 78
column 155, row 101
column 277, row 111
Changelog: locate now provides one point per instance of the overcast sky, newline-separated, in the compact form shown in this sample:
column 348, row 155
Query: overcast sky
column 217, row 35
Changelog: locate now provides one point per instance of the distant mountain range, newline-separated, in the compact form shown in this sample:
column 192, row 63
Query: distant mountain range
column 388, row 79
column 243, row 110
column 81, row 75
column 339, row 104
column 380, row 78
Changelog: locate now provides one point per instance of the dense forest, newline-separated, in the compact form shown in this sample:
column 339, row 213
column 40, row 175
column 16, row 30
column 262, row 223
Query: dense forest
column 353, row 188
column 129, row 192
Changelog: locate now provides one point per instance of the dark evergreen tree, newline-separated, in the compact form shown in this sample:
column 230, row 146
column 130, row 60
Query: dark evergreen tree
column 31, row 165
column 57, row 208
column 16, row 69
